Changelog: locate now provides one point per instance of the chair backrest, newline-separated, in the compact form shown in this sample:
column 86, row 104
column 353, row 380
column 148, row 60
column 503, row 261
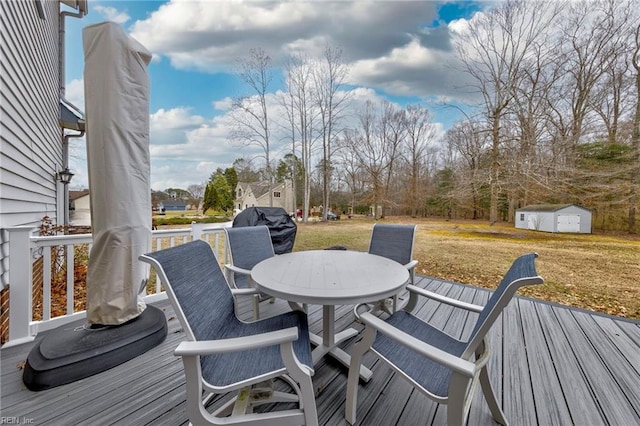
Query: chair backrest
column 522, row 272
column 249, row 245
column 394, row 242
column 197, row 289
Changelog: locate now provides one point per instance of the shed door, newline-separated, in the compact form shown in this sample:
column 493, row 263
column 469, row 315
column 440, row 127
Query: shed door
column 568, row 223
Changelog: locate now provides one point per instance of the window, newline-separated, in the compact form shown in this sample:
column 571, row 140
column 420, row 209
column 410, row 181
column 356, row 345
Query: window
column 276, row 194
column 521, row 217
column 239, row 192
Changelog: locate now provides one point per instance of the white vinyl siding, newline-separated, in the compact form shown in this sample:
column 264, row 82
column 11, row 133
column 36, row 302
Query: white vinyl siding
column 30, row 137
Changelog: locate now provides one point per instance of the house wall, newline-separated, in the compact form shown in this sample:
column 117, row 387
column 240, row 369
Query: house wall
column 174, row 208
column 248, row 200
column 244, row 198
column 82, row 203
column 285, row 200
column 30, row 136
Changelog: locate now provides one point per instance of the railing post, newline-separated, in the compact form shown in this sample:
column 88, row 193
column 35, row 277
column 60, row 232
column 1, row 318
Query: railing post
column 196, row 230
column 20, row 283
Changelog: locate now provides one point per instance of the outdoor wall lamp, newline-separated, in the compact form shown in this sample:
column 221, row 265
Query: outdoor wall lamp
column 65, row 176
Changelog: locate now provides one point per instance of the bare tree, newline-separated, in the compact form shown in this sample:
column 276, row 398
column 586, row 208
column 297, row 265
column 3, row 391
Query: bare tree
column 528, row 109
column 470, row 142
column 329, row 76
column 300, row 89
column 350, row 169
column 420, row 133
column 610, row 98
column 372, row 147
column 635, row 134
column 393, row 126
column 250, row 113
column 196, row 190
column 590, row 37
column 287, row 101
column 493, row 49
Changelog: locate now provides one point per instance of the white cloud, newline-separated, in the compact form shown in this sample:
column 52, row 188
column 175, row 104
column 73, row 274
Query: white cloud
column 171, row 126
column 74, row 92
column 386, row 42
column 459, row 26
column 409, row 70
column 112, row 14
column 223, row 104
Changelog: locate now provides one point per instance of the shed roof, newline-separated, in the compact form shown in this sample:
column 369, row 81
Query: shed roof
column 548, row 207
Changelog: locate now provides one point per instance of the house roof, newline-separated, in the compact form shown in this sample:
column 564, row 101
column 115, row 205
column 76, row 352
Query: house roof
column 258, row 188
column 70, row 119
column 74, row 195
column 548, row 207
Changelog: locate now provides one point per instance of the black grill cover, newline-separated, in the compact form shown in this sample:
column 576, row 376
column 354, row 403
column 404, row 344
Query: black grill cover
column 281, row 226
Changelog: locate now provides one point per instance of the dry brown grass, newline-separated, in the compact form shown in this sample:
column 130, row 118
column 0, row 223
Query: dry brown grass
column 595, row 272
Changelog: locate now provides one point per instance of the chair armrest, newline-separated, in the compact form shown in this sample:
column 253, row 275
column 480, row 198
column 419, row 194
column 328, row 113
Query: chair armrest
column 411, row 264
column 457, row 364
column 237, row 270
column 244, row 291
column 445, row 299
column 237, row 344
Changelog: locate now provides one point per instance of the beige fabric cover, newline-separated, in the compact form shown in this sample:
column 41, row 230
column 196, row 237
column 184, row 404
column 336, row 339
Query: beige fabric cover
column 116, row 85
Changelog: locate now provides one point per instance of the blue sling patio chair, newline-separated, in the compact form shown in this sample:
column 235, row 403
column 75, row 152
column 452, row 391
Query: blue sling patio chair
column 441, row 367
column 248, row 246
column 395, row 242
column 222, row 354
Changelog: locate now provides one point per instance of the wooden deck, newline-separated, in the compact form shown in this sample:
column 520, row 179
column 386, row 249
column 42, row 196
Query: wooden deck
column 552, row 365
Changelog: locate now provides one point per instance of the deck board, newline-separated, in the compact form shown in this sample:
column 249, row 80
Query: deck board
column 548, row 392
column 576, row 389
column 517, row 377
column 597, row 370
column 552, row 365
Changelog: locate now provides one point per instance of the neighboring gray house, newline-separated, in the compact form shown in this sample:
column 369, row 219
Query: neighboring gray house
column 34, row 115
column 554, row 218
column 256, row 194
column 80, row 200
column 80, row 208
column 173, row 205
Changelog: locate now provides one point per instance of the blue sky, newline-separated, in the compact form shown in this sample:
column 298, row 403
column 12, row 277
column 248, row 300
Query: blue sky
column 399, row 51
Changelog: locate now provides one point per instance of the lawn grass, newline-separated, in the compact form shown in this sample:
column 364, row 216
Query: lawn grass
column 591, row 271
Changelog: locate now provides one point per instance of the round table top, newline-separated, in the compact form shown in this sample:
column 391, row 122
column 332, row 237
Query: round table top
column 330, row 277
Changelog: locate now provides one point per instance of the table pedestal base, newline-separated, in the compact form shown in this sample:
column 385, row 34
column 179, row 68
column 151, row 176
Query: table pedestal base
column 327, row 344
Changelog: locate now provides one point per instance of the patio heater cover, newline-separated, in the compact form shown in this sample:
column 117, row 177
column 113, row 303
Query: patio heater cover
column 116, row 85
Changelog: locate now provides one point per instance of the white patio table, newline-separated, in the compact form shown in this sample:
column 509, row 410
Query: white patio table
column 329, row 278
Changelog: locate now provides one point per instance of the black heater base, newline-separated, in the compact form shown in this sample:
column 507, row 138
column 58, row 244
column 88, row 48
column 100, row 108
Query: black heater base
column 72, row 352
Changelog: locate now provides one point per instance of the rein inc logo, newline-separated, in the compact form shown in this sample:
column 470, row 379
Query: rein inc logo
column 16, row 420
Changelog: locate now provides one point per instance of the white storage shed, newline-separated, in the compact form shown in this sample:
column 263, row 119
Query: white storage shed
column 554, row 218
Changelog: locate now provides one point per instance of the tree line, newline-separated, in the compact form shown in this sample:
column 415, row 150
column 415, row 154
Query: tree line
column 554, row 118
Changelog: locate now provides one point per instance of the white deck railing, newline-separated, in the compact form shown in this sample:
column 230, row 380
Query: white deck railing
column 25, row 248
